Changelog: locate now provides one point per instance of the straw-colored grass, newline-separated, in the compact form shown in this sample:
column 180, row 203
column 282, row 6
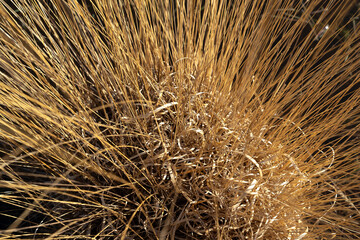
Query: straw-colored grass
column 179, row 119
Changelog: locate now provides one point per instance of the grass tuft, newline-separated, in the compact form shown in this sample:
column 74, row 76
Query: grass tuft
column 179, row 119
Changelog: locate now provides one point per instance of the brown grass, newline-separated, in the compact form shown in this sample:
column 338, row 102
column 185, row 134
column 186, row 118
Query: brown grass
column 179, row 120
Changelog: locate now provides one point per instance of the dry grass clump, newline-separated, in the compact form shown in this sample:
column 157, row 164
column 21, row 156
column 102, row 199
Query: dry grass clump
column 179, row 120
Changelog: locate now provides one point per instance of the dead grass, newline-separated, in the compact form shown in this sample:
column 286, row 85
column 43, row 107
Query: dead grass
column 179, row 120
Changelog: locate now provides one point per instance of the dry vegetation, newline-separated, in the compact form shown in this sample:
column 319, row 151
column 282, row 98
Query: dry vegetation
column 179, row 119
